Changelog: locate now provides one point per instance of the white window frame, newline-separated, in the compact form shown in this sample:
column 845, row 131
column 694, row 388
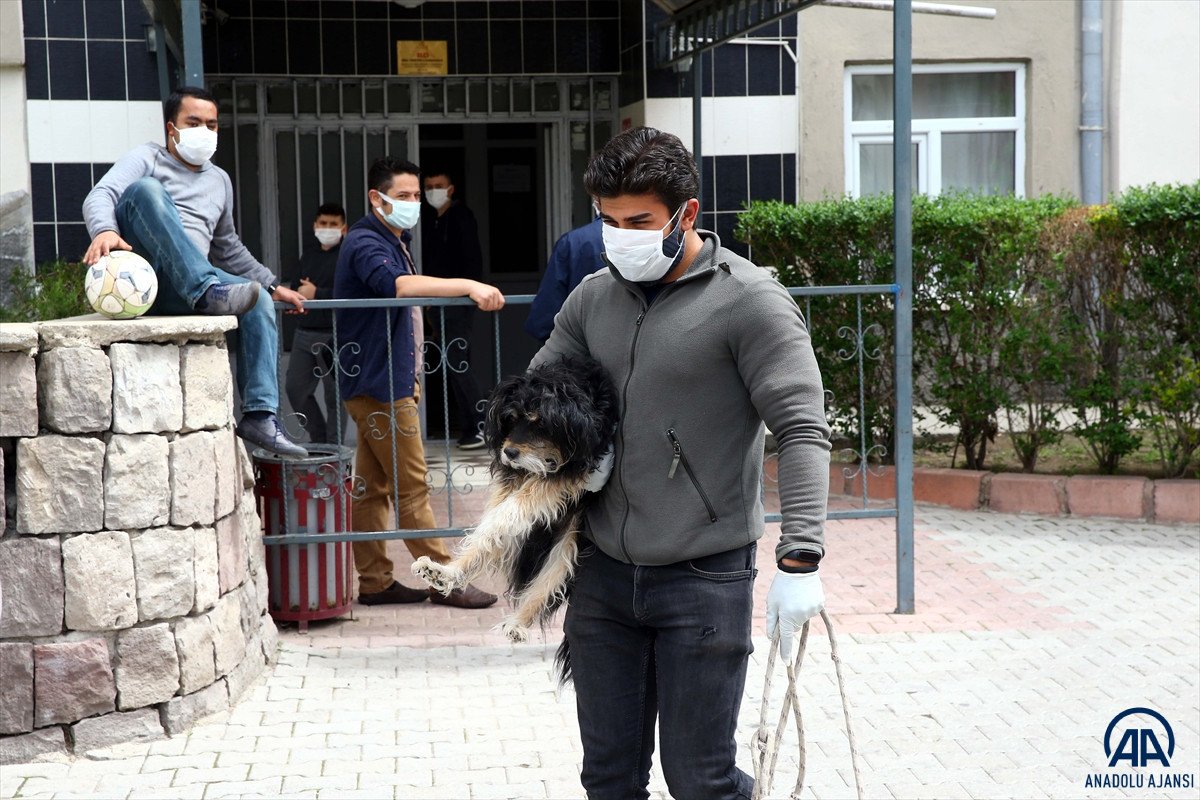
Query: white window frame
column 928, row 132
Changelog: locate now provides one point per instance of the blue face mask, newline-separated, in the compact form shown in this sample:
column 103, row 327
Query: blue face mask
column 405, row 214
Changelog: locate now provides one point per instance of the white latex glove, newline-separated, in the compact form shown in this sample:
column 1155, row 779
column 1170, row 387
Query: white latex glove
column 599, row 476
column 794, row 599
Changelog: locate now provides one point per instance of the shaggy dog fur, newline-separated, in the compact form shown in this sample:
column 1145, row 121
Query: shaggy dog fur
column 546, row 430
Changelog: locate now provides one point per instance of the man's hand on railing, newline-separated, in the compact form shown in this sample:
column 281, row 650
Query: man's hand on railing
column 285, row 295
column 488, row 298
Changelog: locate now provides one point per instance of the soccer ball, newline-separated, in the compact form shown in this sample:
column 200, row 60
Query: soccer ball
column 121, row 285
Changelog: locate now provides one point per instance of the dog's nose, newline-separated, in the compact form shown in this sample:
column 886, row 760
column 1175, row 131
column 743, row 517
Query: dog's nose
column 512, row 452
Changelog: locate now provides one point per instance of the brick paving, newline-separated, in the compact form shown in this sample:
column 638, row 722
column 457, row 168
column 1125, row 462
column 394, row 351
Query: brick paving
column 1031, row 634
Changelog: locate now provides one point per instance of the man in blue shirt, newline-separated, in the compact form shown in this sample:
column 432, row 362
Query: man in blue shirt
column 576, row 255
column 382, row 395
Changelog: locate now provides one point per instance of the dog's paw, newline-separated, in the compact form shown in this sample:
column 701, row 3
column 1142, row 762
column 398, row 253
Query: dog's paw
column 442, row 578
column 514, row 631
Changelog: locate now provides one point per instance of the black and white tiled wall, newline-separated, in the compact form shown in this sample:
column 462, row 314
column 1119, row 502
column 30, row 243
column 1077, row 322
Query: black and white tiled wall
column 92, row 89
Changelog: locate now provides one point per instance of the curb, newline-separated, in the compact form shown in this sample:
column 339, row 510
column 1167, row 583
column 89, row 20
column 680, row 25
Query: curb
column 1175, row 501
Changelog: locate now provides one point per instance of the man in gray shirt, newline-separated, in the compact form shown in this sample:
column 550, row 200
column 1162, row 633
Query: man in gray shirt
column 175, row 208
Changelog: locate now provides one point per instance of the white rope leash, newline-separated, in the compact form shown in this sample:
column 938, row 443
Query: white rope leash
column 765, row 744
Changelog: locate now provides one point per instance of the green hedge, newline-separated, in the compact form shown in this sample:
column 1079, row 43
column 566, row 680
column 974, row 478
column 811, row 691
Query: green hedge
column 1021, row 306
column 53, row 292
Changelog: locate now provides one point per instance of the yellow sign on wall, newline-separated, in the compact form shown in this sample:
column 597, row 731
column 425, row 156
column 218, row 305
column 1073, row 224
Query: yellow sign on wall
column 421, row 57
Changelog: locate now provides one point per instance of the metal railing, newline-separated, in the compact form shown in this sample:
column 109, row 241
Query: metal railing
column 442, row 357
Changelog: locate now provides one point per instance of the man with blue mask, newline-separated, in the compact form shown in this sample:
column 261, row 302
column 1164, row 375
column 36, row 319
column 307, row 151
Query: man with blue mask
column 381, row 395
column 704, row 347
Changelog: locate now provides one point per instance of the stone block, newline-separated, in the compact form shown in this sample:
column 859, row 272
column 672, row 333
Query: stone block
column 251, row 610
column 60, row 484
column 245, row 467
column 18, row 395
column 252, row 531
column 36, row 746
column 3, row 494
column 19, row 337
column 72, row 680
column 1110, row 496
column 207, row 387
column 147, row 396
column 147, row 666
column 162, row 559
column 101, row 591
column 1016, row 492
column 83, row 331
column 229, row 641
column 193, row 479
column 135, row 494
column 268, row 637
column 194, row 646
column 181, row 712
column 243, row 676
column 208, row 586
column 228, row 481
column 956, row 488
column 32, row 576
column 231, row 553
column 16, row 687
column 75, row 390
column 143, row 725
column 1177, row 501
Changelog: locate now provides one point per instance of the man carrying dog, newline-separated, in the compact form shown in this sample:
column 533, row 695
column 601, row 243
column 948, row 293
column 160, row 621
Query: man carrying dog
column 379, row 380
column 703, row 347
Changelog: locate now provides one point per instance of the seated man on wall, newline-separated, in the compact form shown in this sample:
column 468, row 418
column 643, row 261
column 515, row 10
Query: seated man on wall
column 174, row 207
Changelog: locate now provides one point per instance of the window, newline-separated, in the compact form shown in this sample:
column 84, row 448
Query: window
column 968, row 129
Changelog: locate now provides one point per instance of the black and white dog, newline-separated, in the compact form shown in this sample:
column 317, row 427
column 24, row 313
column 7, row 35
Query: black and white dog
column 550, row 433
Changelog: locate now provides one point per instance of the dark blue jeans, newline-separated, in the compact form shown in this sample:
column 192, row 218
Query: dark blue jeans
column 150, row 222
column 670, row 642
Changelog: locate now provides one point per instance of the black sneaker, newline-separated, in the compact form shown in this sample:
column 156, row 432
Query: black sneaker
column 471, row 443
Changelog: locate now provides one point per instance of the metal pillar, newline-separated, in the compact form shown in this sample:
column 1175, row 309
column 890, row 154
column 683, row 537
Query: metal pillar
column 697, row 118
column 902, row 210
column 193, row 47
column 1091, row 123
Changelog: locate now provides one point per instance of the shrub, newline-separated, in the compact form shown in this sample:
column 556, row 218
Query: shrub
column 54, row 291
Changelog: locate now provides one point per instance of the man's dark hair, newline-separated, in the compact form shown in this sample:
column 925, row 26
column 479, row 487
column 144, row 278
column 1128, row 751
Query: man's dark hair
column 437, row 170
column 172, row 103
column 331, row 210
column 379, row 176
column 643, row 161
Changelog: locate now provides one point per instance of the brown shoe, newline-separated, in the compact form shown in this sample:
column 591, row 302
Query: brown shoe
column 396, row 593
column 469, row 597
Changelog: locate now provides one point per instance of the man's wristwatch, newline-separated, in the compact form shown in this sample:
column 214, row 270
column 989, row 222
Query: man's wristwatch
column 799, row 555
column 271, row 289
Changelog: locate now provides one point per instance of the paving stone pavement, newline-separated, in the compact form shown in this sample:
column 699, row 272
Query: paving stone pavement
column 1031, row 634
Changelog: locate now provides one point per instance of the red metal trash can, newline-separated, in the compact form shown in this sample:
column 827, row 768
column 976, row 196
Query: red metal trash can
column 298, row 496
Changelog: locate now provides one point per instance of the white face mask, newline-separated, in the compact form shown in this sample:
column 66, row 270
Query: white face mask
column 437, row 197
column 644, row 256
column 195, row 145
column 328, row 236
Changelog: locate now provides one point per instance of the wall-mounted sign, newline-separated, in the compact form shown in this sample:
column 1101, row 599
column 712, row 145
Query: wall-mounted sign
column 421, row 57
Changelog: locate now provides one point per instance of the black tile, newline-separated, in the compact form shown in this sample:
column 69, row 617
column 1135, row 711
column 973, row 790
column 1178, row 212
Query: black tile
column 373, row 48
column 68, row 70
column 603, row 45
column 666, row 83
column 105, row 19
column 141, row 70
column 304, row 9
column 537, row 9
column 45, row 243
column 236, row 44
column 725, row 226
column 787, row 26
column 506, row 48
column 73, row 241
column 571, row 45
column 766, row 177
column 272, row 9
column 304, row 47
column 136, row 18
column 571, row 9
column 72, row 182
column 41, row 181
column 33, row 17
column 706, row 183
column 631, row 23
column 629, row 84
column 338, row 9
column 37, row 79
column 106, row 70
column 64, row 19
column 503, row 10
column 538, row 46
column 99, row 171
column 708, row 221
column 603, row 8
column 404, row 30
column 706, row 70
column 765, row 66
column 789, row 177
column 471, row 10
column 730, row 70
column 371, row 10
column 338, row 47
column 787, row 75
column 437, row 11
column 270, row 55
column 730, row 186
column 471, row 39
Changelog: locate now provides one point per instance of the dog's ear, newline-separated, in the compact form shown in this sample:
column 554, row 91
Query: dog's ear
column 493, row 415
column 604, row 400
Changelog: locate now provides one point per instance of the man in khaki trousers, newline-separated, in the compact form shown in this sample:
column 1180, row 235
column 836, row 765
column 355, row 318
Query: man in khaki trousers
column 383, row 394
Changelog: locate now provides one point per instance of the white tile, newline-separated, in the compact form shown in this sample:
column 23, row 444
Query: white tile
column 97, row 131
column 725, row 132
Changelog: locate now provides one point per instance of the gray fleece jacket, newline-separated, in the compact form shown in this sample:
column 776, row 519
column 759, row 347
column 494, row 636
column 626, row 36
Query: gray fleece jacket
column 204, row 199
column 698, row 371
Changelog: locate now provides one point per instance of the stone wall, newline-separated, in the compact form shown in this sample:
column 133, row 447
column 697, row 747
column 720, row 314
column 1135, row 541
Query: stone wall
column 134, row 593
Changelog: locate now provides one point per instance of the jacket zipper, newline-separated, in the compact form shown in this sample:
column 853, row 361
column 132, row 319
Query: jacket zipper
column 679, row 458
column 624, row 403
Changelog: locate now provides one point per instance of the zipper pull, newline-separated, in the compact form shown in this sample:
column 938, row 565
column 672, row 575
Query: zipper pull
column 677, row 449
column 641, row 316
